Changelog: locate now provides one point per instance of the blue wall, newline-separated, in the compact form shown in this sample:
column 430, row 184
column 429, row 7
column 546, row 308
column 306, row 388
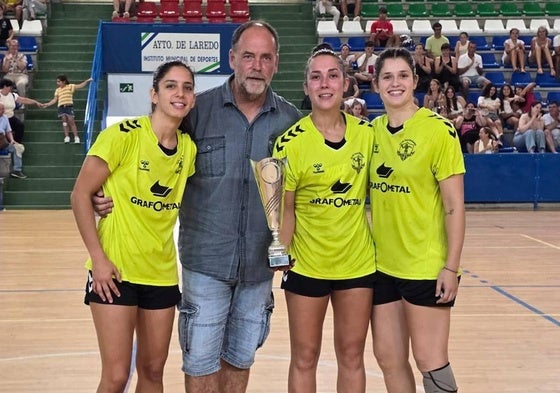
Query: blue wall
column 512, row 178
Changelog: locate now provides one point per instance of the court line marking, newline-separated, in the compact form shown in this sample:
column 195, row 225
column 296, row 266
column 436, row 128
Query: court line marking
column 540, row 241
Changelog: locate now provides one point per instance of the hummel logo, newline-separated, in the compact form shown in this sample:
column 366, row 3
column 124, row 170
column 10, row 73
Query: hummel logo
column 129, row 125
column 159, row 190
column 340, row 188
column 384, row 171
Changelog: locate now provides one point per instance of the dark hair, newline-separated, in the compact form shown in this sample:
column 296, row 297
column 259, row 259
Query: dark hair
column 393, row 53
column 553, row 103
column 445, row 45
column 502, row 97
column 382, row 10
column 486, row 91
column 451, row 103
column 465, row 33
column 436, row 25
column 63, row 78
column 6, row 83
column 323, row 45
column 324, row 52
column 163, row 69
column 254, row 23
column 370, row 44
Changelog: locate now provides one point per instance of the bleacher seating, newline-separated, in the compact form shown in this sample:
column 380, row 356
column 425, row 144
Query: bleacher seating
column 521, row 78
column 239, row 11
column 146, row 12
column 192, row 11
column 169, row 11
column 216, row 11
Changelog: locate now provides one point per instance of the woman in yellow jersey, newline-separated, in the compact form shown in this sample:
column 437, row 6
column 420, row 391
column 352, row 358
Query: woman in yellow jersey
column 64, row 94
column 326, row 228
column 418, row 218
column 143, row 164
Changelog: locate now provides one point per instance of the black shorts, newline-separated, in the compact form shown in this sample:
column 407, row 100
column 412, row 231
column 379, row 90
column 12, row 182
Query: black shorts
column 315, row 287
column 148, row 297
column 419, row 292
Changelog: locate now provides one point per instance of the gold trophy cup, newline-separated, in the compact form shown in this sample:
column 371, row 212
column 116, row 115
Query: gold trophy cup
column 269, row 174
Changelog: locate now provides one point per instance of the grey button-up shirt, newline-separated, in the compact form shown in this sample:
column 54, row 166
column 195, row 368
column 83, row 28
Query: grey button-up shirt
column 223, row 230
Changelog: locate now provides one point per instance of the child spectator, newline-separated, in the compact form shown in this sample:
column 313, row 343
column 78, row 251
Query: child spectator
column 508, row 114
column 381, row 31
column 348, row 58
column 366, row 63
column 468, row 126
column 64, row 94
column 489, row 104
column 462, row 45
column 356, row 107
column 514, row 51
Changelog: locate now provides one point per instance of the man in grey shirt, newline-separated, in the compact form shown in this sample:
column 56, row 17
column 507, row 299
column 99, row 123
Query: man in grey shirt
column 223, row 237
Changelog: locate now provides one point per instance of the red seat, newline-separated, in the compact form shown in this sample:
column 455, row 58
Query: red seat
column 146, row 11
column 239, row 11
column 192, row 11
column 169, row 12
column 216, row 11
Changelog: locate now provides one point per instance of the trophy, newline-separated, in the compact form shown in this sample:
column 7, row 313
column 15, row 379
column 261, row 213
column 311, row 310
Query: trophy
column 269, row 174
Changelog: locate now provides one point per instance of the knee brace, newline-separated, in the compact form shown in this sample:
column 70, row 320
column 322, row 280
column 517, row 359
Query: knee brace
column 440, row 380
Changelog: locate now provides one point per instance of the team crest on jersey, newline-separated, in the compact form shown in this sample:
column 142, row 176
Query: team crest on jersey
column 406, row 149
column 179, row 166
column 318, row 167
column 144, row 165
column 358, row 162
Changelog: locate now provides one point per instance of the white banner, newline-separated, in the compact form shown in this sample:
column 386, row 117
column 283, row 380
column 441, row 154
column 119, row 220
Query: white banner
column 200, row 51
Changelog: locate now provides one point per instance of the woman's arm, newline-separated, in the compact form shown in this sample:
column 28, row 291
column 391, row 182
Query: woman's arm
column 93, row 174
column 452, row 191
column 289, row 218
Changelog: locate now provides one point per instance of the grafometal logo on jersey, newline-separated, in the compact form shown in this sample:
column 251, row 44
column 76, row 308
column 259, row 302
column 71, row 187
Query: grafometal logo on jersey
column 358, row 162
column 338, row 188
column 406, row 149
column 318, row 168
column 144, row 165
column 385, row 172
column 158, row 191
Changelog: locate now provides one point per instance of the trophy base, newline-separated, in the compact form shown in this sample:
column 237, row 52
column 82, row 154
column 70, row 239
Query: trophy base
column 279, row 260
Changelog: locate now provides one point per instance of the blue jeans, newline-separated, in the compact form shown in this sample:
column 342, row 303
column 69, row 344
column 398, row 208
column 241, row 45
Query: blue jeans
column 530, row 141
column 16, row 161
column 222, row 320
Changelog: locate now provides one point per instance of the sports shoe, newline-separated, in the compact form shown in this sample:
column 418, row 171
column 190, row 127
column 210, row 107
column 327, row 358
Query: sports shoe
column 76, row 139
column 115, row 15
column 345, row 18
column 357, row 18
column 18, row 175
column 66, row 139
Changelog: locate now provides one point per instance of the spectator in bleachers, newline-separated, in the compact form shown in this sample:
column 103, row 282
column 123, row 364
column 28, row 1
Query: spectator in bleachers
column 435, row 41
column 351, row 7
column 556, row 55
column 64, row 94
column 462, row 45
column 552, row 127
column 526, row 97
column 33, row 7
column 6, row 28
column 445, row 68
column 14, row 149
column 488, row 105
column 508, row 115
column 434, row 98
column 14, row 66
column 122, row 9
column 541, row 49
column 485, row 143
column 353, row 89
column 468, row 126
column 529, row 136
column 348, row 58
column 381, row 31
column 469, row 68
column 327, row 7
column 514, row 51
column 454, row 104
column 14, row 6
column 366, row 64
column 356, row 107
column 424, row 67
column 11, row 101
